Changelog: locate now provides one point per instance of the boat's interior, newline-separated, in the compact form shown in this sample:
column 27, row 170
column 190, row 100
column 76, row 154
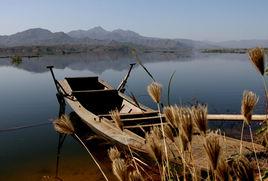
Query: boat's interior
column 99, row 101
column 84, row 83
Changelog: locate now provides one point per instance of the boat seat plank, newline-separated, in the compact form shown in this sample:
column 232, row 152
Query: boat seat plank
column 141, row 118
column 143, row 125
column 132, row 115
column 91, row 91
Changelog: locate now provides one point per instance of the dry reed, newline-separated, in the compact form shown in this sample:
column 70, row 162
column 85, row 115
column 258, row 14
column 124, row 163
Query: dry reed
column 120, row 169
column 169, row 133
column 135, row 176
column 63, row 125
column 213, row 150
column 186, row 122
column 155, row 90
column 199, row 114
column 170, row 115
column 256, row 56
column 154, row 147
column 182, row 142
column 223, row 171
column 115, row 115
column 243, row 169
column 249, row 101
column 113, row 153
column 265, row 139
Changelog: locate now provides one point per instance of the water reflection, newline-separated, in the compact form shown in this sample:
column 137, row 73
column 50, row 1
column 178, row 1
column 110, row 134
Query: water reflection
column 96, row 63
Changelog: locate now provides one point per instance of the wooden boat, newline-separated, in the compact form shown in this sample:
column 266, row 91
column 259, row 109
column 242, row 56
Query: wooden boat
column 92, row 99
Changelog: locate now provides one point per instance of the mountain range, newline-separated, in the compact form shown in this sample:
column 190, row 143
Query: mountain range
column 98, row 36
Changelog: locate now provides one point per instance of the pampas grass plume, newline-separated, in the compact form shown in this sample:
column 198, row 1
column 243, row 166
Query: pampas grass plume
column 155, row 90
column 135, row 176
column 243, row 169
column 256, row 56
column 120, row 169
column 186, row 122
column 154, row 147
column 213, row 150
column 170, row 115
column 199, row 114
column 63, row 125
column 168, row 132
column 249, row 101
column 113, row 153
column 223, row 173
column 115, row 115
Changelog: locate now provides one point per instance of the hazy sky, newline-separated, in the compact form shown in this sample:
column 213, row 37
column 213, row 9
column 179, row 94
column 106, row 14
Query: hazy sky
column 195, row 19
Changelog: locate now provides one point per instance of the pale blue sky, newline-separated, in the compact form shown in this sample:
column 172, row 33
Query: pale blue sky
column 214, row 20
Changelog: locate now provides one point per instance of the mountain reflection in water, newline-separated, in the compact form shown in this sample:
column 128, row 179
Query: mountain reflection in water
column 97, row 62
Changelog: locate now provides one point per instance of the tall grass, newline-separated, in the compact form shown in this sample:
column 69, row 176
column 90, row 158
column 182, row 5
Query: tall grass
column 170, row 146
column 155, row 90
column 257, row 57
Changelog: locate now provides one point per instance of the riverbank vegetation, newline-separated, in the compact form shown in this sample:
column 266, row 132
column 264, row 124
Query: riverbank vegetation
column 65, row 49
column 229, row 50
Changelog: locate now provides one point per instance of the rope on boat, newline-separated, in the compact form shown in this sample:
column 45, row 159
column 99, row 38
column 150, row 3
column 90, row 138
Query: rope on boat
column 15, row 128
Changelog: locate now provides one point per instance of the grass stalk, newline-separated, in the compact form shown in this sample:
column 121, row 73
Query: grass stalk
column 164, row 139
column 194, row 173
column 183, row 158
column 241, row 139
column 169, row 85
column 115, row 115
column 91, row 155
column 254, row 150
column 132, row 157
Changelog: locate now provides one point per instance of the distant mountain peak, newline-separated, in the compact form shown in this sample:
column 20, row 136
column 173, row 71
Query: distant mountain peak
column 98, row 28
column 126, row 32
column 35, row 36
column 33, row 30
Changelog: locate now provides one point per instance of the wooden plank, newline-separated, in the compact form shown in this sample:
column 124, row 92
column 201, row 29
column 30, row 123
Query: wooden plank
column 92, row 91
column 143, row 125
column 130, row 114
column 234, row 117
column 141, row 118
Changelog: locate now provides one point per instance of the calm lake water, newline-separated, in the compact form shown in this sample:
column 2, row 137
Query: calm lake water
column 27, row 96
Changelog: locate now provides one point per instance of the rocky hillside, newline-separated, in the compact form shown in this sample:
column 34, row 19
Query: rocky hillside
column 96, row 37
